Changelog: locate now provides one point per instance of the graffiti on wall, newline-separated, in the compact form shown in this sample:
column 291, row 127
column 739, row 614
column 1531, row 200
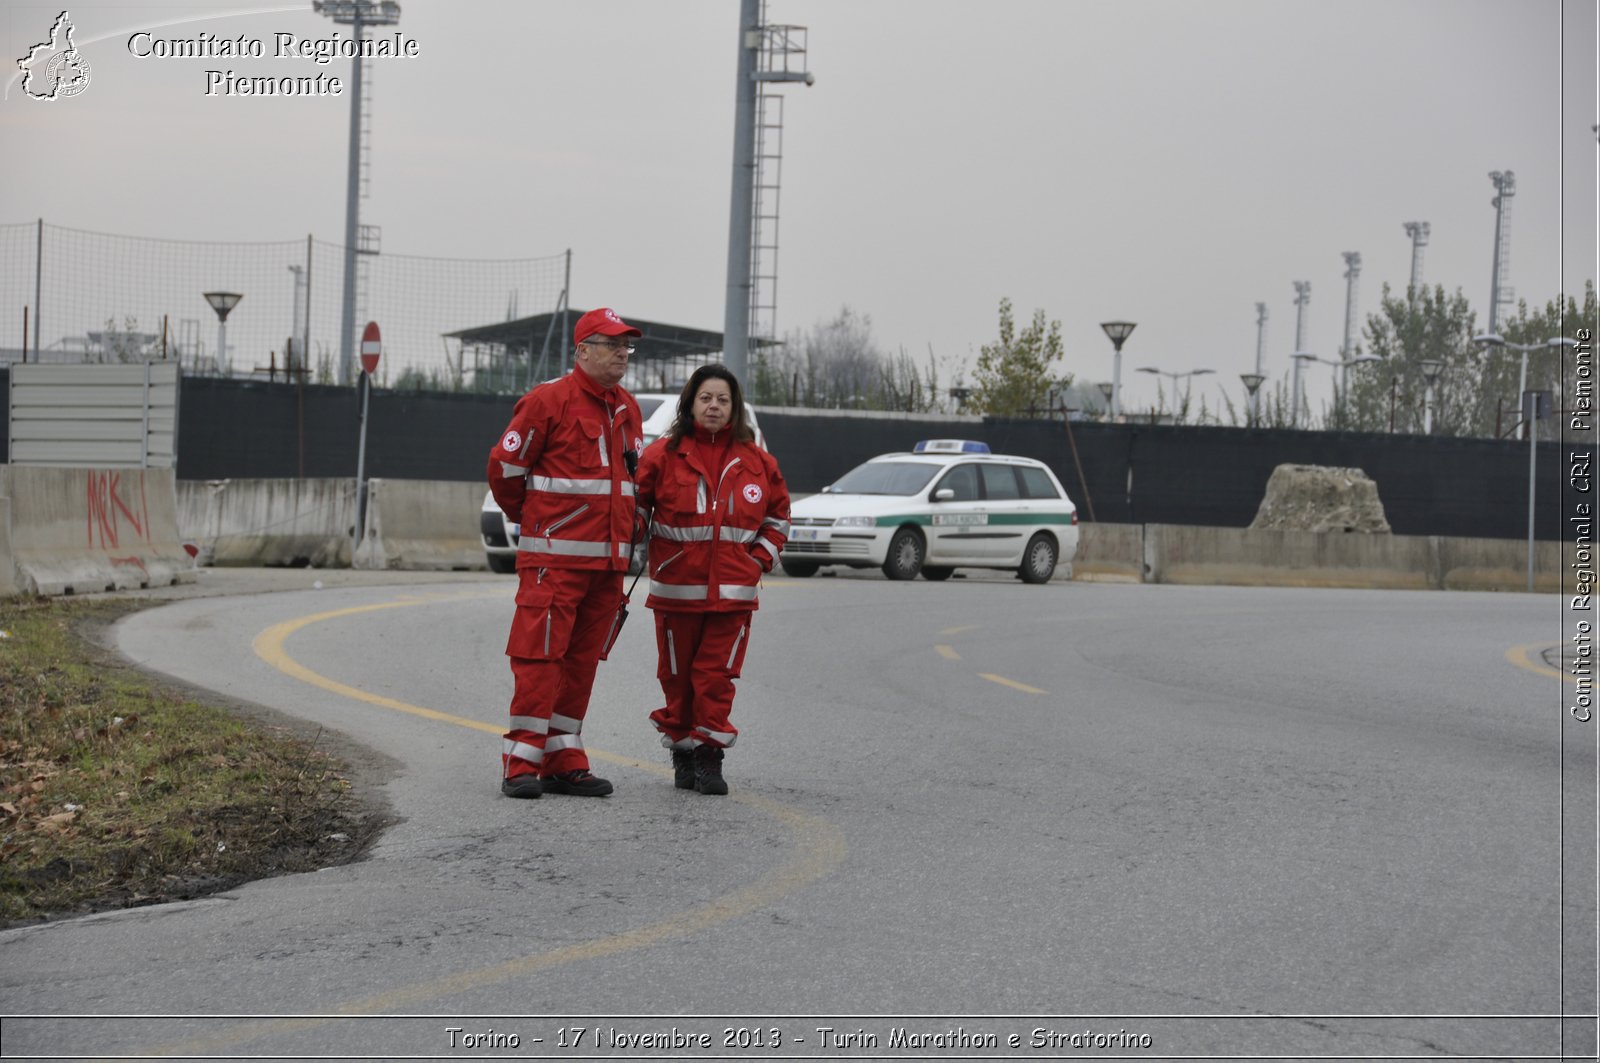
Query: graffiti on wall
column 117, row 511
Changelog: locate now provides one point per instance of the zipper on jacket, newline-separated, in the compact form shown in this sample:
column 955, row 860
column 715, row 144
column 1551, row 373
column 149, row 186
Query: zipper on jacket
column 577, row 512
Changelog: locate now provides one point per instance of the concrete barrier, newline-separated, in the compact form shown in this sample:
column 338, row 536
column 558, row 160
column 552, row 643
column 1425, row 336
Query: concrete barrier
column 81, row 530
column 8, row 566
column 422, row 524
column 1260, row 557
column 269, row 522
column 1111, row 553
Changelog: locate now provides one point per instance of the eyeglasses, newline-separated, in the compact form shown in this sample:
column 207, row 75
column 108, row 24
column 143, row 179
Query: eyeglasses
column 615, row 345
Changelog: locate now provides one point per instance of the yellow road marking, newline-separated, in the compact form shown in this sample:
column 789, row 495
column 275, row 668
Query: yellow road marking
column 948, row 653
column 1521, row 657
column 820, row 849
column 1012, row 683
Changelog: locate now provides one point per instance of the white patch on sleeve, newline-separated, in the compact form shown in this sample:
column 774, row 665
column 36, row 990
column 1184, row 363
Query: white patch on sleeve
column 752, row 493
column 512, row 443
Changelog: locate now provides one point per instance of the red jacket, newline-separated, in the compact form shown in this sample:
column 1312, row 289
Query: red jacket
column 561, row 470
column 713, row 532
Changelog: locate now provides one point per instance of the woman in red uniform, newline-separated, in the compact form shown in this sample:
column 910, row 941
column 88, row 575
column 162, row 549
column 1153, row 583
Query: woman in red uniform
column 719, row 516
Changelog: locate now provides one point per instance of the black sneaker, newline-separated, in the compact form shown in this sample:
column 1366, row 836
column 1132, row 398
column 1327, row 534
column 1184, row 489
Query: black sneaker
column 683, row 769
column 708, row 771
column 580, row 782
column 521, row 786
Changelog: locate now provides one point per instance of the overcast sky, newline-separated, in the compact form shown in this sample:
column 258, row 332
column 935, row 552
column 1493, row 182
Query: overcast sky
column 1169, row 163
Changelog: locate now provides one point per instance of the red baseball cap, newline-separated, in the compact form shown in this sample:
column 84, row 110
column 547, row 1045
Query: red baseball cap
column 604, row 321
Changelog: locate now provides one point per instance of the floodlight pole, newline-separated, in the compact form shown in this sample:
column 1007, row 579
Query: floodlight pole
column 741, row 219
column 736, row 312
column 357, row 14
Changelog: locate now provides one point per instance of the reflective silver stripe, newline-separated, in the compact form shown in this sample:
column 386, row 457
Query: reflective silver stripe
column 523, row 751
column 725, row 738
column 737, row 535
column 672, row 657
column 732, row 655
column 555, row 742
column 680, row 535
column 511, row 472
column 766, row 544
column 565, row 485
column 565, row 723
column 605, row 452
column 736, row 592
column 530, row 723
column 566, row 547
column 700, row 496
column 680, row 591
column 781, row 525
column 684, row 744
column 625, row 550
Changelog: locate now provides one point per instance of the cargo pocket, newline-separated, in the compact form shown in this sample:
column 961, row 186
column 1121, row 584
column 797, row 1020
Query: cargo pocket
column 595, row 450
column 532, row 626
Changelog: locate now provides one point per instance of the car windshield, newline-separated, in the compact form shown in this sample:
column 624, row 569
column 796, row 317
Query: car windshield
column 885, row 478
column 649, row 406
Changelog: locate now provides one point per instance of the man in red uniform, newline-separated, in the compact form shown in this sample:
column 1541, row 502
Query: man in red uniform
column 563, row 469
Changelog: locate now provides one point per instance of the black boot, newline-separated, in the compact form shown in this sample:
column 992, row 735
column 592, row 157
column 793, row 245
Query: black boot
column 683, row 769
column 708, row 770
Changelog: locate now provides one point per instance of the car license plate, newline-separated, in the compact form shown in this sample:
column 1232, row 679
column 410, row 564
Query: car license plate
column 808, row 535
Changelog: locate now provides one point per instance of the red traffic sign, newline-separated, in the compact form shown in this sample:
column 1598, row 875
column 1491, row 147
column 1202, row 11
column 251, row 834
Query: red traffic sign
column 371, row 348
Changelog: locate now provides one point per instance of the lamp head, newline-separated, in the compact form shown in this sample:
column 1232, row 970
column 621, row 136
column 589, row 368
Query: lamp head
column 223, row 302
column 1118, row 331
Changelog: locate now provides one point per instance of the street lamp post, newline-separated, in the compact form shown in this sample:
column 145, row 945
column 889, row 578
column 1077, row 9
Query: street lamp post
column 1105, row 392
column 1493, row 339
column 1296, row 401
column 222, row 303
column 1252, row 384
column 1529, row 414
column 1431, row 368
column 1175, row 377
column 1341, row 367
column 1119, row 331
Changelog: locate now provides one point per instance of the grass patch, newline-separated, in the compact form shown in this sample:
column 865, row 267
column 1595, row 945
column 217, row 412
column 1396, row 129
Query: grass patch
column 115, row 791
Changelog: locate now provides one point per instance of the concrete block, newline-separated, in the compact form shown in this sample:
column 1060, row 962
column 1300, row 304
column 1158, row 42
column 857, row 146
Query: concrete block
column 1110, row 553
column 269, row 522
column 422, row 524
column 1268, row 558
column 81, row 530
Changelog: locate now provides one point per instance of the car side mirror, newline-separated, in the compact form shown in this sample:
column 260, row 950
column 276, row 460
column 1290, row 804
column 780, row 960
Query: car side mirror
column 827, row 488
column 944, row 494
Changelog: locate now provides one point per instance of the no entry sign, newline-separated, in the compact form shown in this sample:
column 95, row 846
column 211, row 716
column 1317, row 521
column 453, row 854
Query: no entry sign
column 371, row 348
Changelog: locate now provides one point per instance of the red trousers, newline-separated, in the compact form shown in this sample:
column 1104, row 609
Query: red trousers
column 562, row 620
column 699, row 655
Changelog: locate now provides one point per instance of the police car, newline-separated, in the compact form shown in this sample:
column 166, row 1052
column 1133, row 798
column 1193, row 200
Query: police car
column 948, row 504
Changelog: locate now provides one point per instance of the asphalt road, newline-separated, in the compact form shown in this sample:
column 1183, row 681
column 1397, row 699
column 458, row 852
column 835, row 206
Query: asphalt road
column 1241, row 821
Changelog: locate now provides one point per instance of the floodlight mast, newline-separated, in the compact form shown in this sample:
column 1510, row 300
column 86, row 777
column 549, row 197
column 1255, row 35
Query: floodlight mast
column 356, row 14
column 754, row 37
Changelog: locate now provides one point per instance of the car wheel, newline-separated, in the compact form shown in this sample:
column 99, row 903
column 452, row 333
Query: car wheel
column 800, row 569
column 502, row 564
column 936, row 572
column 905, row 555
column 1038, row 560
